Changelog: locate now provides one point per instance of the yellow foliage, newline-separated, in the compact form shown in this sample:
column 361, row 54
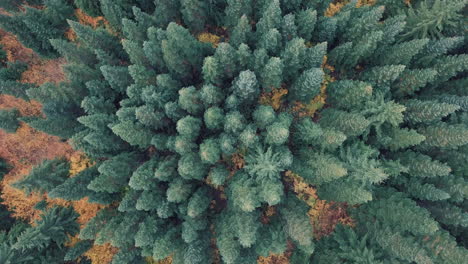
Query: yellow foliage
column 72, row 241
column 101, row 254
column 334, row 8
column 86, row 210
column 303, row 190
column 150, row 260
column 273, row 98
column 206, row 37
column 21, row 206
column 78, row 163
column 365, row 2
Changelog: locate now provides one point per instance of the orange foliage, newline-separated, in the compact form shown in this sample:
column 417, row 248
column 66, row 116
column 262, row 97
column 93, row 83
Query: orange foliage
column 24, row 149
column 303, row 190
column 86, row 210
column 274, row 259
column 21, row 206
column 337, row 5
column 324, row 216
column 278, row 258
column 101, row 254
column 70, row 34
column 273, row 98
column 88, row 20
column 44, row 71
column 79, row 162
column 31, row 108
column 28, row 147
column 14, row 49
column 39, row 71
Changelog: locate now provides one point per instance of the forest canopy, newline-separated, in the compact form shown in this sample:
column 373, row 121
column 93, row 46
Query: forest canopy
column 224, row 131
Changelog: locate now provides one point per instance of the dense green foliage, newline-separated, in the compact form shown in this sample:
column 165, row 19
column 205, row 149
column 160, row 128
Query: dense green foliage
column 10, row 74
column 42, row 243
column 164, row 115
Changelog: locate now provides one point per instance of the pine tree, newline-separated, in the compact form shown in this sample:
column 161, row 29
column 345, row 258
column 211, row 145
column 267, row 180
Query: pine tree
column 45, row 241
column 176, row 54
column 9, row 120
column 235, row 10
column 402, row 53
column 307, row 86
column 194, row 14
column 92, row 8
column 412, row 80
column 45, row 177
column 319, row 168
column 427, row 111
column 443, row 135
column 429, row 20
column 242, row 32
column 114, row 173
column 349, row 123
column 306, row 20
column 293, row 56
column 272, row 74
column 34, row 27
column 342, row 191
column 349, row 95
column 420, row 165
column 449, row 214
column 400, row 138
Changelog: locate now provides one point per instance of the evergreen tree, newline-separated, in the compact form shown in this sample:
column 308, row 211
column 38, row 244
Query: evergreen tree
column 242, row 32
column 194, row 13
column 45, row 177
column 307, row 86
column 92, row 8
column 9, row 120
column 34, row 27
column 43, row 242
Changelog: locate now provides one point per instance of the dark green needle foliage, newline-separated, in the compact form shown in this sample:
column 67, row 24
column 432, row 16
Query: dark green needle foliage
column 43, row 242
column 10, row 74
column 191, row 141
column 34, row 27
column 9, row 120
